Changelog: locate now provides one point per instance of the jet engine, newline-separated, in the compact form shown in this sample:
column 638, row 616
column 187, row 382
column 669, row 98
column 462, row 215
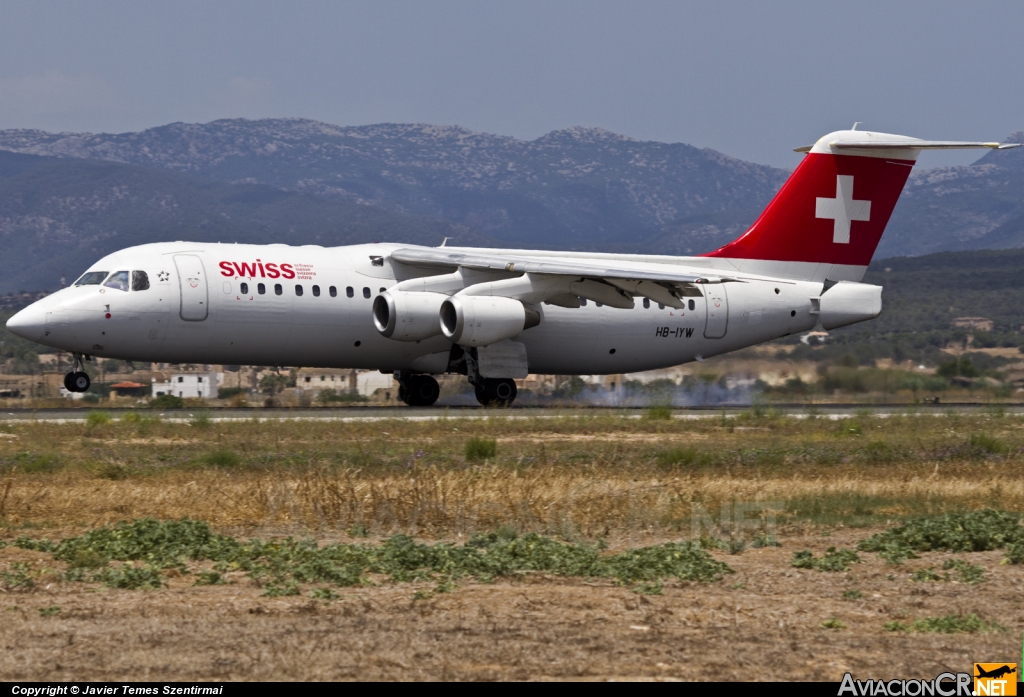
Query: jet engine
column 408, row 316
column 474, row 320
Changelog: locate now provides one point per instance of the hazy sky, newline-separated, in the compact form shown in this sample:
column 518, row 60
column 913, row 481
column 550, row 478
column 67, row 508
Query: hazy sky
column 751, row 79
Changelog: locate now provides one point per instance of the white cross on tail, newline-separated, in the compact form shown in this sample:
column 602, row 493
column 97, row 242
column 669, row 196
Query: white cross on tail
column 843, row 209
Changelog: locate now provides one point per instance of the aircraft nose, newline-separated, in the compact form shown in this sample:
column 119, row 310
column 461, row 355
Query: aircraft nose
column 29, row 324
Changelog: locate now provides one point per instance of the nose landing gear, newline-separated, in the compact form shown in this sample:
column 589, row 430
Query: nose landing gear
column 77, row 380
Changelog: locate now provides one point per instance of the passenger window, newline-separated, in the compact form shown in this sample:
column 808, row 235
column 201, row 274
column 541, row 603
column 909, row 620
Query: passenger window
column 366, row 292
column 661, row 306
column 278, row 289
column 245, row 288
column 316, row 291
column 261, row 289
column 647, row 303
column 298, row 290
column 692, row 305
column 91, row 278
column 118, row 280
column 140, row 280
column 598, row 304
column 583, row 302
column 349, row 292
column 334, row 292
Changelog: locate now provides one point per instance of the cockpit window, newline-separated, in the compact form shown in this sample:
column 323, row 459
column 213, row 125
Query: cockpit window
column 140, row 280
column 91, row 278
column 118, row 280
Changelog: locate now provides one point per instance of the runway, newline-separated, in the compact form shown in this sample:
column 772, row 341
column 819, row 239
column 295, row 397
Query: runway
column 372, row 413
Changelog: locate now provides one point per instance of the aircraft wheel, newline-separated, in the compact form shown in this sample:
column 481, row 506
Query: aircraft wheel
column 67, row 382
column 496, row 392
column 422, row 391
column 80, row 382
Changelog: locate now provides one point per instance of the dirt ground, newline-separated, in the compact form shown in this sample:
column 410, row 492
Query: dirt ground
column 761, row 623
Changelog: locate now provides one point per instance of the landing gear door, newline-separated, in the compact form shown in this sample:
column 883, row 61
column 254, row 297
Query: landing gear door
column 195, row 300
column 718, row 311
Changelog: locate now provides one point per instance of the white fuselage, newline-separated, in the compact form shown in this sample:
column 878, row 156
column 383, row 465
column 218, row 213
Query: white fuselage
column 204, row 305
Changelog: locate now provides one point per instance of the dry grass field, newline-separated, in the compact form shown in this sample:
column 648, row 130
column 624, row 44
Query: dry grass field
column 579, row 581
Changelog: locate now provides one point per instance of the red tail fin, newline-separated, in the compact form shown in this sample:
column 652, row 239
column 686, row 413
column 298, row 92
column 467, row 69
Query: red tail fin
column 830, row 213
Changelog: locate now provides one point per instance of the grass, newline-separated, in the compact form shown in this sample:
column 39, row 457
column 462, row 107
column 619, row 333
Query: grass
column 580, row 474
column 481, row 448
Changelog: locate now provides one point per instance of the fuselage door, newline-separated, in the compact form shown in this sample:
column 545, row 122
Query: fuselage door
column 718, row 311
column 192, row 281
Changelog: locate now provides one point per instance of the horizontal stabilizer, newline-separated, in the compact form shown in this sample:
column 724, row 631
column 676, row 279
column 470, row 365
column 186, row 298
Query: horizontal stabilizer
column 911, row 144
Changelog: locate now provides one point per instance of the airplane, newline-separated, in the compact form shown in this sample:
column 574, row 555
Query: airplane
column 495, row 315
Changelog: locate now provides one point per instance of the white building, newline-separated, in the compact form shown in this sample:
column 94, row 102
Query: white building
column 189, row 385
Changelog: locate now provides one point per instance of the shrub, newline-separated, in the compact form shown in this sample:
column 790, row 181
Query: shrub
column 330, row 396
column 222, row 458
column 481, row 448
column 229, row 392
column 38, row 464
column 659, row 413
column 97, row 418
column 681, row 457
column 201, row 420
column 167, row 401
column 985, row 444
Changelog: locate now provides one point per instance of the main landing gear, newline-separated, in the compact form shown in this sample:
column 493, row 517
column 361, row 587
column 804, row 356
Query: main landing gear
column 77, row 380
column 495, row 392
column 418, row 390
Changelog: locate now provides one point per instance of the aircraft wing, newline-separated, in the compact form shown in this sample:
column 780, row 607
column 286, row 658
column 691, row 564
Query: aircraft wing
column 443, row 259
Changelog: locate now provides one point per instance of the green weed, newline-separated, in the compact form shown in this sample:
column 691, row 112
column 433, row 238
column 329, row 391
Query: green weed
column 927, row 575
column 675, row 458
column 833, row 623
column 977, row 531
column 51, row 611
column 281, row 565
column 833, row 560
column 130, row 577
column 984, row 444
column 659, row 413
column 97, row 418
column 201, row 420
column 209, row 578
column 323, row 594
column 481, row 448
column 966, row 573
column 222, row 458
column 852, row 594
column 950, row 624
column 18, row 578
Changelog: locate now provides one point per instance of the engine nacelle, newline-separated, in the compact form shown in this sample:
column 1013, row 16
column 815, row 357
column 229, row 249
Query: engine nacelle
column 408, row 316
column 848, row 303
column 475, row 320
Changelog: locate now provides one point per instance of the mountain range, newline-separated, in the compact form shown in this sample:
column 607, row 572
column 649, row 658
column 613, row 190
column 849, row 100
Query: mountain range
column 301, row 181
